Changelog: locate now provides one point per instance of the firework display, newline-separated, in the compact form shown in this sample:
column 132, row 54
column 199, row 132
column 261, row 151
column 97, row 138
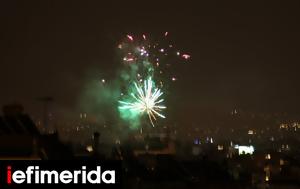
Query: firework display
column 147, row 70
column 145, row 100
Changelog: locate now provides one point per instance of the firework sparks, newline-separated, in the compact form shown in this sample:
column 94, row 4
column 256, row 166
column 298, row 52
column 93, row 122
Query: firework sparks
column 146, row 99
column 128, row 59
column 186, row 56
column 130, row 37
column 138, row 50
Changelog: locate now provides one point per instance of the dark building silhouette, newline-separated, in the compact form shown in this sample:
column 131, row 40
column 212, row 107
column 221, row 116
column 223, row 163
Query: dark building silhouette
column 20, row 138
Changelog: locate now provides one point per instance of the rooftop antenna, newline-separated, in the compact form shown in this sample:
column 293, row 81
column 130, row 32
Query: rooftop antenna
column 46, row 101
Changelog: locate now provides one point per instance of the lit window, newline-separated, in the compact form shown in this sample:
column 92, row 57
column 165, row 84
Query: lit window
column 268, row 156
column 267, row 178
column 220, row 147
column 89, row 148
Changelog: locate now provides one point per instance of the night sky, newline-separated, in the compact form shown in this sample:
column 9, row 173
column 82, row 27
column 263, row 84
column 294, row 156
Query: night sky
column 244, row 56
